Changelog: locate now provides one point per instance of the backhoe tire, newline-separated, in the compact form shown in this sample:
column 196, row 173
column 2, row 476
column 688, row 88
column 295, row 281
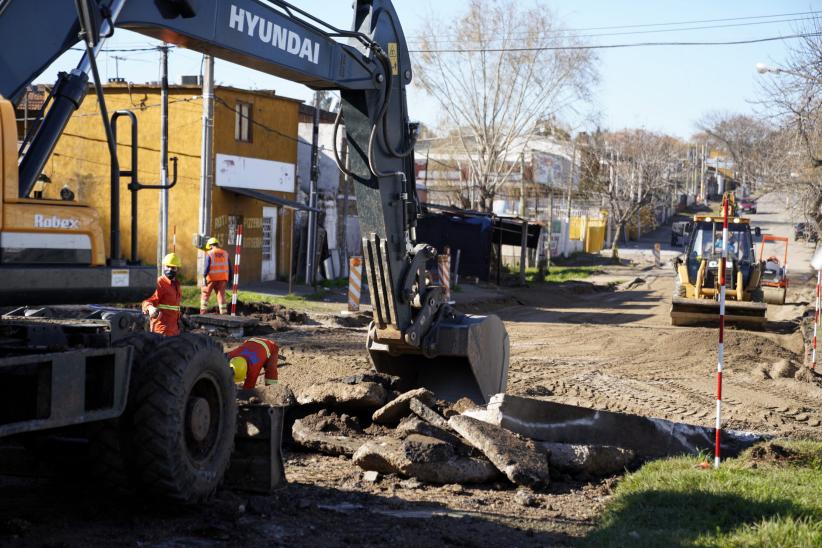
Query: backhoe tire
column 757, row 295
column 176, row 437
column 679, row 288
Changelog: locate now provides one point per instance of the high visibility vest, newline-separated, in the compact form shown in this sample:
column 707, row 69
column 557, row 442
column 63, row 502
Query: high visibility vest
column 218, row 270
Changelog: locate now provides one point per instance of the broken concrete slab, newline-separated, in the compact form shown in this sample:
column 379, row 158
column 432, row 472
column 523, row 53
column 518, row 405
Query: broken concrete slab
column 424, row 458
column 414, row 425
column 393, row 411
column 647, row 437
column 427, row 414
column 521, row 461
column 324, row 442
column 591, row 460
column 340, row 396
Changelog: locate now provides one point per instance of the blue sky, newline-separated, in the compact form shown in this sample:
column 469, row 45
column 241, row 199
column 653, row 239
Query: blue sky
column 660, row 88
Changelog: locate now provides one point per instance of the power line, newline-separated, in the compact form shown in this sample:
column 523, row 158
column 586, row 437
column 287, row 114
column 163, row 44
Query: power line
column 629, row 33
column 615, row 46
column 691, row 22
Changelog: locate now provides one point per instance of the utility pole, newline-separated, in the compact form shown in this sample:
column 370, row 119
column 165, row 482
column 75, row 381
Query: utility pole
column 702, row 175
column 117, row 60
column 311, row 251
column 522, row 184
column 162, row 233
column 346, row 185
column 206, row 166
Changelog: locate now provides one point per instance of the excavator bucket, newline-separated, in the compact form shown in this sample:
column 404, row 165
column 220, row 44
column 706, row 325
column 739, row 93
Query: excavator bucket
column 706, row 311
column 471, row 359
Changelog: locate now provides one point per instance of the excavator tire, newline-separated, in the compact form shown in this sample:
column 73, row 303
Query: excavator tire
column 110, row 447
column 176, row 437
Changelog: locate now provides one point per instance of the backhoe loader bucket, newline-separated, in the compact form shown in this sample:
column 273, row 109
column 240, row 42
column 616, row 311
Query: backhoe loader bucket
column 471, row 358
column 774, row 295
column 706, row 311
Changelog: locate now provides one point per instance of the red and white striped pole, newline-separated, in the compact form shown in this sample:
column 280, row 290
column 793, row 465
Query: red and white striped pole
column 354, row 283
column 816, row 317
column 236, row 282
column 720, row 362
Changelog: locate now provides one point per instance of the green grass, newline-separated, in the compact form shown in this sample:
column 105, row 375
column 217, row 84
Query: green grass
column 747, row 502
column 561, row 273
column 312, row 302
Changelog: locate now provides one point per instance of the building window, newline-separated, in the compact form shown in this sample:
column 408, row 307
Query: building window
column 242, row 122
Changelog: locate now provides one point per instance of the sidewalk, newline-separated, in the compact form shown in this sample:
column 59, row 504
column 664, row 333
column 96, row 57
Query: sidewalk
column 643, row 249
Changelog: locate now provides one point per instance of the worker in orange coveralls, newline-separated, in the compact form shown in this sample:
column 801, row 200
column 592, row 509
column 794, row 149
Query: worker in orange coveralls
column 250, row 357
column 163, row 307
column 215, row 275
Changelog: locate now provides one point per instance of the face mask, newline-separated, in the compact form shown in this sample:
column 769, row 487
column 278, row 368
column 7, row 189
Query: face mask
column 169, row 273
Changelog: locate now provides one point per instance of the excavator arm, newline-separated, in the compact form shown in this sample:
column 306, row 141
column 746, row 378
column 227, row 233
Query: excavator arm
column 415, row 333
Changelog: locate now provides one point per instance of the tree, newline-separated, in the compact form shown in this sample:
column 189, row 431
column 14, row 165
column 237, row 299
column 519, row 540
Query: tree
column 629, row 170
column 793, row 96
column 494, row 74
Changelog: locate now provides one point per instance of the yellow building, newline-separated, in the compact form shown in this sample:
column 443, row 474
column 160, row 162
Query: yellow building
column 254, row 154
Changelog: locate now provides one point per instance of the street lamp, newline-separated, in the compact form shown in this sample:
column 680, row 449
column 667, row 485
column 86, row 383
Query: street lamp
column 762, row 68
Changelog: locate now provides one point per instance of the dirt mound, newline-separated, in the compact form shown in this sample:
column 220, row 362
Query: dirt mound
column 784, row 369
column 277, row 316
column 775, row 453
column 745, row 350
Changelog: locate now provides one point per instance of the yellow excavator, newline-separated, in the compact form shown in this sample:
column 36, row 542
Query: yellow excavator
column 696, row 288
column 165, row 406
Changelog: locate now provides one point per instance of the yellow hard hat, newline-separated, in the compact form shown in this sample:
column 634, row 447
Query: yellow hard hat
column 240, row 367
column 212, row 242
column 172, row 260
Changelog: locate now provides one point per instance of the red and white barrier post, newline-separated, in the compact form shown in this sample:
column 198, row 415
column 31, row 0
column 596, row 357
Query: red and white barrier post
column 238, row 248
column 720, row 362
column 816, row 317
column 354, row 283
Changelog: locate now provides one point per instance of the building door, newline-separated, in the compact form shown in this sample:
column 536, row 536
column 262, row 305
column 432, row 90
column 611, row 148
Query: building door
column 269, row 245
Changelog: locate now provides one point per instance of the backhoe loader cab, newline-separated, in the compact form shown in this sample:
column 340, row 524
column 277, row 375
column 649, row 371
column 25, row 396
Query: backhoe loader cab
column 696, row 290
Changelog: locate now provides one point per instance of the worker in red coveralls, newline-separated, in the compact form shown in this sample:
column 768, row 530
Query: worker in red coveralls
column 215, row 275
column 163, row 307
column 250, row 357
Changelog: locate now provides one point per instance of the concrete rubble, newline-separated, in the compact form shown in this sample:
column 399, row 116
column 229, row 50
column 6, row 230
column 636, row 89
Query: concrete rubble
column 364, row 418
column 589, row 460
column 424, row 458
column 521, row 461
column 398, row 408
column 327, row 442
column 427, row 414
column 340, row 396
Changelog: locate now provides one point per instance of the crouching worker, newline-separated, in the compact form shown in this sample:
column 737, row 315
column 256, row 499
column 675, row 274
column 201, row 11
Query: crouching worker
column 252, row 356
column 163, row 307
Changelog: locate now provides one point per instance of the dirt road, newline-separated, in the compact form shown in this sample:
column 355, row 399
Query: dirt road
column 593, row 345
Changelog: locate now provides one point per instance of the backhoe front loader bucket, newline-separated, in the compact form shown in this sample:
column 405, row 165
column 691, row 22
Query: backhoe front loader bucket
column 469, row 358
column 706, row 311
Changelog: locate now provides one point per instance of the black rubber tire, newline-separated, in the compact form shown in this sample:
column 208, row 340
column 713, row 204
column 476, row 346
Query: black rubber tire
column 757, row 295
column 679, row 288
column 110, row 447
column 146, row 450
column 169, row 461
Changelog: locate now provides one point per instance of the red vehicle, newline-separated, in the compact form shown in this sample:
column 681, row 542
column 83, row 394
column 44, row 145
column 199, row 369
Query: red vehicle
column 747, row 205
column 775, row 274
